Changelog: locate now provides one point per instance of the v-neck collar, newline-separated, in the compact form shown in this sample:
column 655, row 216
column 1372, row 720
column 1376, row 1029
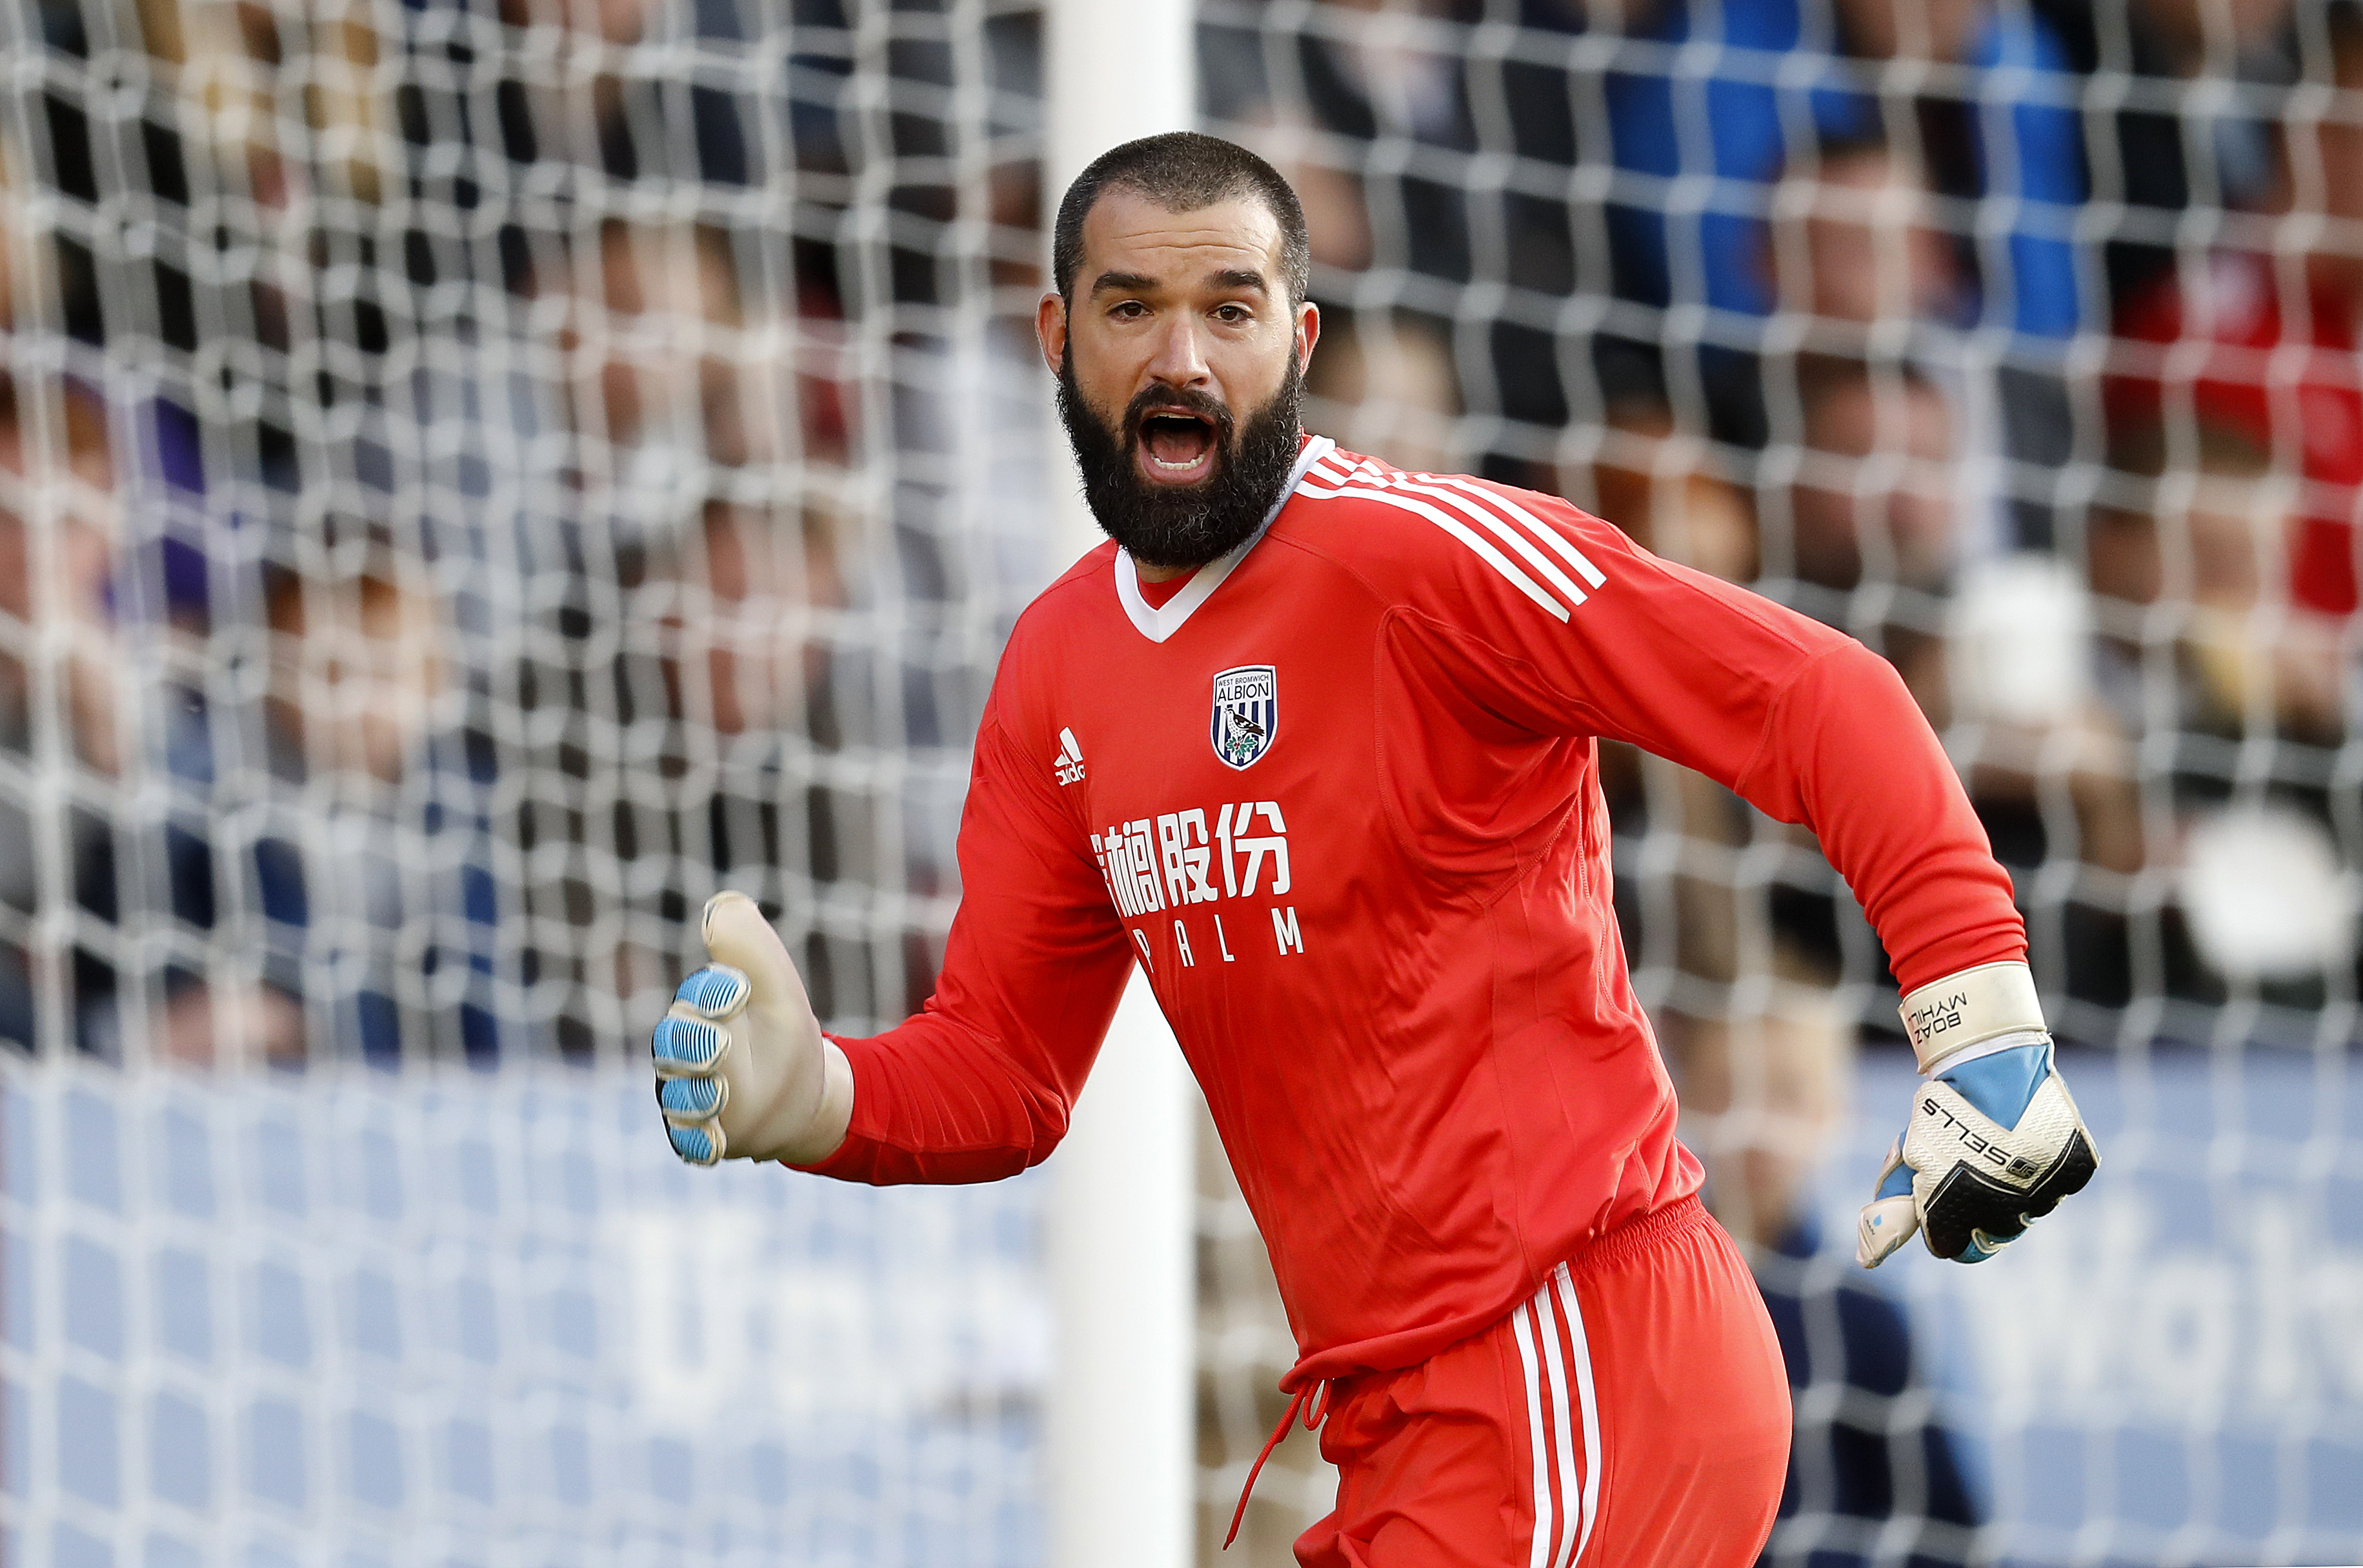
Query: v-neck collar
column 1158, row 622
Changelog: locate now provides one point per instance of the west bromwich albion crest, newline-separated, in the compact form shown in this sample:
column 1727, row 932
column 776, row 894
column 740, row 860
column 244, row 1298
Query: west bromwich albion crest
column 1247, row 711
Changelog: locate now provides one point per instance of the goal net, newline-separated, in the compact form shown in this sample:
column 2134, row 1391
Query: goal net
column 2018, row 339
column 476, row 479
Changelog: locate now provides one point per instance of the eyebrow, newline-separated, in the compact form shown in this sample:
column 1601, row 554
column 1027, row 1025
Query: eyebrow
column 1136, row 282
column 1126, row 283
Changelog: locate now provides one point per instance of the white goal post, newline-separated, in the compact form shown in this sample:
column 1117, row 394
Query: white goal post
column 1123, row 1464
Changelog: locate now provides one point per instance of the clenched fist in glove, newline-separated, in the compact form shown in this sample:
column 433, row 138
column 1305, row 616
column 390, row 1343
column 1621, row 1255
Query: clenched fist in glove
column 1995, row 1140
column 742, row 1070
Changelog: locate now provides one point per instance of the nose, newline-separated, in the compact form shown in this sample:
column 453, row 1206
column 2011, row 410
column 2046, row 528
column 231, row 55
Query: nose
column 1178, row 360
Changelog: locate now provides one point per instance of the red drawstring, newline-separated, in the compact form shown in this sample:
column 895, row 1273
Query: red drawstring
column 1302, row 1400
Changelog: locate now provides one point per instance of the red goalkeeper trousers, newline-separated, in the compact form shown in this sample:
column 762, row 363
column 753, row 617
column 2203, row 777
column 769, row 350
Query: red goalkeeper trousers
column 1633, row 1413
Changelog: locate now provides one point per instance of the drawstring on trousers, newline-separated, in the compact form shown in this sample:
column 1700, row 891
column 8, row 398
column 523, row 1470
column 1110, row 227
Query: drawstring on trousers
column 1313, row 1399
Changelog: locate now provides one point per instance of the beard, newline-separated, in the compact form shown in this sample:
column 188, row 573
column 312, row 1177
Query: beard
column 1184, row 526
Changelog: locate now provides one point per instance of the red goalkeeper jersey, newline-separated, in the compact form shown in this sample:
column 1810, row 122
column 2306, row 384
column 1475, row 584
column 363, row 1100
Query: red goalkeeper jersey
column 1340, row 797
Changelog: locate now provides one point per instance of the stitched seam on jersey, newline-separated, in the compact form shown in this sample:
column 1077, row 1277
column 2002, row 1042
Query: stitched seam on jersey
column 1521, row 866
column 1067, row 803
column 1406, row 841
column 1779, row 705
column 1392, row 609
column 1152, row 620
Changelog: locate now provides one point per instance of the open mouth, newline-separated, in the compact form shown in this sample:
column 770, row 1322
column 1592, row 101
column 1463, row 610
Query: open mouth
column 1176, row 447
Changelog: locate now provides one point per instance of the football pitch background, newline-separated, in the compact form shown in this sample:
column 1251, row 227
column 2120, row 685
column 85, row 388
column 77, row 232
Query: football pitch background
column 478, row 477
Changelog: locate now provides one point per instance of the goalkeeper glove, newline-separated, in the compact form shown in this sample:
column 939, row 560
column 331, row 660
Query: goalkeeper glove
column 1995, row 1140
column 742, row 1070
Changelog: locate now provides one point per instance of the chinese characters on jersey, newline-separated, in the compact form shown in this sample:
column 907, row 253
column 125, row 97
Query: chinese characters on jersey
column 1181, row 859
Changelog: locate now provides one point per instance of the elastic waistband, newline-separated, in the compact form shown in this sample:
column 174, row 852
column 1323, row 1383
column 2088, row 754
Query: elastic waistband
column 1639, row 1234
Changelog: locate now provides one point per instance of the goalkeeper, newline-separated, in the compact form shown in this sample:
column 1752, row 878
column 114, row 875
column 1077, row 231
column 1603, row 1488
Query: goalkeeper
column 1314, row 743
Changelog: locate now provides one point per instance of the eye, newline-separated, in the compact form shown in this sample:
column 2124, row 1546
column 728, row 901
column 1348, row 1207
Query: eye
column 1233, row 314
column 1130, row 310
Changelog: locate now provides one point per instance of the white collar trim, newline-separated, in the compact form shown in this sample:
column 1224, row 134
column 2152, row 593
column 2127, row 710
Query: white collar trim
column 1158, row 622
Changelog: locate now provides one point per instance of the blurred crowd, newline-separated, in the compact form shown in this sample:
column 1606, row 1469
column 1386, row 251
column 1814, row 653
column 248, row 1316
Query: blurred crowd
column 536, row 405
column 430, row 460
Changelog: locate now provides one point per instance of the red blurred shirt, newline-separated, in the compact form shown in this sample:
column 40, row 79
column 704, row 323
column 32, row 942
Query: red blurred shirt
column 1339, row 795
column 2259, row 376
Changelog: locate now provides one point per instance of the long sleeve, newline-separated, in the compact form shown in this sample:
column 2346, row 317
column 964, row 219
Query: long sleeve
column 978, row 1085
column 1805, row 723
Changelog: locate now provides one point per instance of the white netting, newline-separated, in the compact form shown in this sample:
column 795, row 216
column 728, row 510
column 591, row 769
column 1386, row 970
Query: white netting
column 474, row 479
column 2017, row 337
column 463, row 1318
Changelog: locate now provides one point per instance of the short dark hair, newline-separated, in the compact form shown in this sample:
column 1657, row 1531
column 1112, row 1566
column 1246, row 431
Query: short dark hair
column 1181, row 171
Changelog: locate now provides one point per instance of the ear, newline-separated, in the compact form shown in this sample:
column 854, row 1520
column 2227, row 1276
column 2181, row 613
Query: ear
column 1050, row 327
column 1308, row 332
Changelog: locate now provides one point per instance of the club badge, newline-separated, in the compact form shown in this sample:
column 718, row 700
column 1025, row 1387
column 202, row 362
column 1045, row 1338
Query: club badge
column 1247, row 711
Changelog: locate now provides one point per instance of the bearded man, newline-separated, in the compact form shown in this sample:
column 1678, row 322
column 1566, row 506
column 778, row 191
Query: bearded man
column 1312, row 741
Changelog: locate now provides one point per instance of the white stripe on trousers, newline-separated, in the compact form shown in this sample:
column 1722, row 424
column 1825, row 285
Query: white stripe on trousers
column 1561, row 1531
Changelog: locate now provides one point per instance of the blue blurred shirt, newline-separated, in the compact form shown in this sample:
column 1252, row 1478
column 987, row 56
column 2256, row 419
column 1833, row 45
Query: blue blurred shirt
column 1728, row 121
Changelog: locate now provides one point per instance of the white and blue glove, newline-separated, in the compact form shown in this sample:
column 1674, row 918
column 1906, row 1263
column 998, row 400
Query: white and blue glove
column 1995, row 1140
column 743, row 1072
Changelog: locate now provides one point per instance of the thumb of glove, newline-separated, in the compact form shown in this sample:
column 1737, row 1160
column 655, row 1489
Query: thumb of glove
column 737, row 934
column 1891, row 1217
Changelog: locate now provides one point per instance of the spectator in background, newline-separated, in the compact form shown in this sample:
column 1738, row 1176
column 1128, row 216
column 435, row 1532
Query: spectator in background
column 2190, row 568
column 72, row 698
column 61, row 686
column 1738, row 124
column 1656, row 483
column 2207, row 150
column 2276, row 373
column 1374, row 79
column 1875, row 1476
column 2215, row 537
column 357, row 729
column 1876, row 501
column 1852, row 244
column 1384, row 381
column 1872, row 534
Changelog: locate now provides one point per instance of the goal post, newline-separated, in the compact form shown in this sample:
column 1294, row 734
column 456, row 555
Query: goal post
column 1122, row 1206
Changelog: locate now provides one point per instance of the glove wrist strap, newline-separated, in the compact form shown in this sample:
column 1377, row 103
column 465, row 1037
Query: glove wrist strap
column 813, row 1132
column 1949, row 1021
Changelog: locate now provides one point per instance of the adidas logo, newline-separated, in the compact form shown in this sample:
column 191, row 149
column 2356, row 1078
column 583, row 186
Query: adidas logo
column 1069, row 760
